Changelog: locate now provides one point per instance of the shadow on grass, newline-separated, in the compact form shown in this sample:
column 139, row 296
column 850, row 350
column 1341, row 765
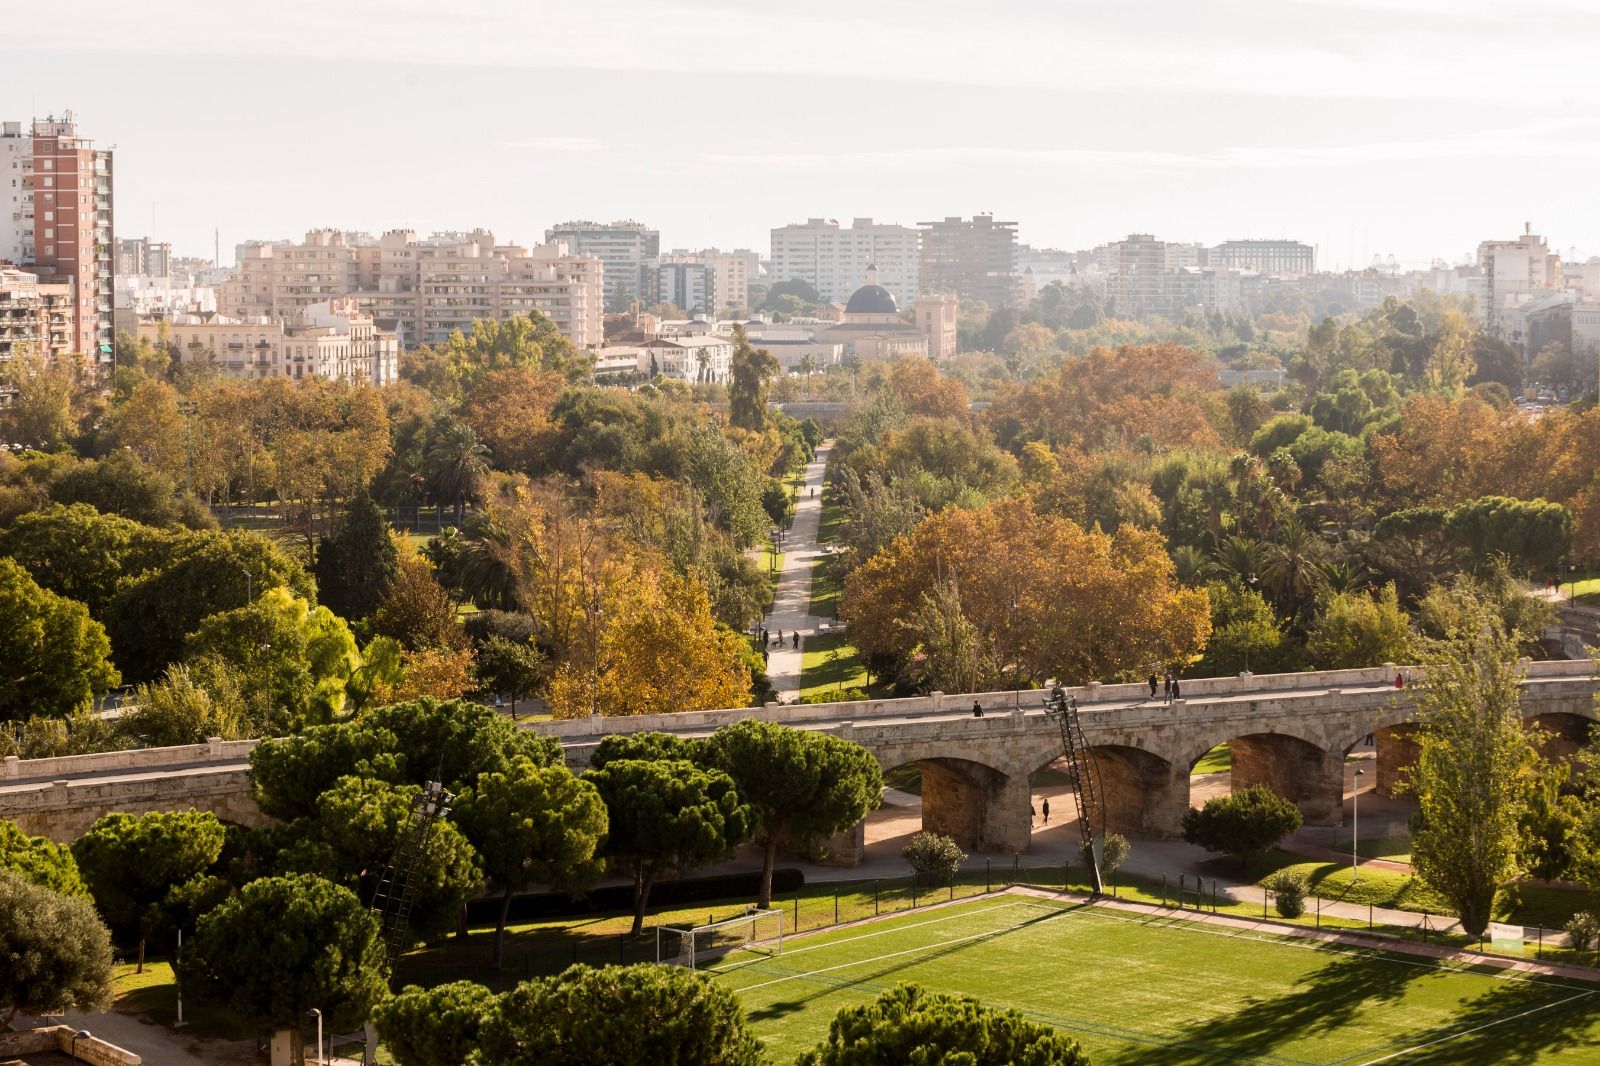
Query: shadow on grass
column 1324, row 1001
column 1516, row 1022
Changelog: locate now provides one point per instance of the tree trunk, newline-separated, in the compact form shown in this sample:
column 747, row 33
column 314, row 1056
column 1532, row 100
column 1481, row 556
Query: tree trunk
column 769, row 859
column 500, row 930
column 641, row 900
column 461, row 922
column 140, row 967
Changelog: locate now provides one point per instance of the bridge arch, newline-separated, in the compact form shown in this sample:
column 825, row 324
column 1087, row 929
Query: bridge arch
column 1561, row 734
column 1143, row 793
column 981, row 807
column 1300, row 770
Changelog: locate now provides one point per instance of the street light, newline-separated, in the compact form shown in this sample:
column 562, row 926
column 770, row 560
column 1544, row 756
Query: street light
column 1355, row 826
column 317, row 1014
column 81, row 1034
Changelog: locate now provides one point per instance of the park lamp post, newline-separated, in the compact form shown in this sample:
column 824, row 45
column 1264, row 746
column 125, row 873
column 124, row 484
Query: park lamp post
column 1355, row 826
column 81, row 1034
column 317, row 1014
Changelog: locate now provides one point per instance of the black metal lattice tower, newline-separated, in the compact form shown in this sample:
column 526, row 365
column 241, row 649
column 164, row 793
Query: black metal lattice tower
column 1063, row 709
column 396, row 892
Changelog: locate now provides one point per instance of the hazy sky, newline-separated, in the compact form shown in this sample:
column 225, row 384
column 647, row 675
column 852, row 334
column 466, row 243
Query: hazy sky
column 1411, row 127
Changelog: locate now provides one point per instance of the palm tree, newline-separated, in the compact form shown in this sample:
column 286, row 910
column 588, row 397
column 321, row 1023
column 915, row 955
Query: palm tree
column 808, row 366
column 1290, row 565
column 455, row 463
column 1345, row 575
column 1240, row 557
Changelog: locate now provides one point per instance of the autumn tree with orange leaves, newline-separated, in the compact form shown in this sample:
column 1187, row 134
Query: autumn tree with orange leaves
column 1046, row 597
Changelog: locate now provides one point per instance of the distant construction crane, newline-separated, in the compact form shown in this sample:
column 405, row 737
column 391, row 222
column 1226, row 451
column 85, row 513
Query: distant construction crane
column 1063, row 709
column 396, row 891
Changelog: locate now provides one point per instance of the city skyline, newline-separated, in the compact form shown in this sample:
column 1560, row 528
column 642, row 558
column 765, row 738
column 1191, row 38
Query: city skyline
column 1334, row 125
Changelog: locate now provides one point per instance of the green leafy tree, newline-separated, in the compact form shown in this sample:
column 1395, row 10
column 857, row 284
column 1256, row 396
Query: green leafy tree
column 56, row 950
column 206, row 573
column 1473, row 772
column 620, row 1015
column 416, row 610
column 359, row 825
column 436, row 1026
column 124, row 484
column 648, row 745
column 300, row 656
column 77, row 552
column 801, row 783
column 668, row 816
column 40, row 860
column 1550, row 825
column 131, row 864
column 282, row 946
column 908, row 1024
column 1533, row 534
column 404, row 743
column 355, row 565
column 1356, row 629
column 1246, row 824
column 533, row 824
column 749, row 380
column 510, row 668
column 56, row 656
column 1245, row 633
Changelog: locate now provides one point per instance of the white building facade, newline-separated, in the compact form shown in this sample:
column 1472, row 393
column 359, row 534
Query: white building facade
column 833, row 259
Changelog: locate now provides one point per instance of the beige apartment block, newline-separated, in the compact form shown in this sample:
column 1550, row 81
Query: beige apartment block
column 334, row 339
column 428, row 288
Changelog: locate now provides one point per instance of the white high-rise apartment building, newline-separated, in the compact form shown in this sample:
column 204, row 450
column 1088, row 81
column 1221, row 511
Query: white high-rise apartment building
column 629, row 249
column 1513, row 271
column 427, row 288
column 730, row 277
column 834, row 260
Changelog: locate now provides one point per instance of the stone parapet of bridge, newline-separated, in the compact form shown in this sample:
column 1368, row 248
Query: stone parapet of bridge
column 1289, row 731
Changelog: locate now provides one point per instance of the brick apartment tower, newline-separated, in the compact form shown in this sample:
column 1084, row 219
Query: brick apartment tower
column 56, row 222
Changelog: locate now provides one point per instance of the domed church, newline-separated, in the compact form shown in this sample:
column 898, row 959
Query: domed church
column 871, row 326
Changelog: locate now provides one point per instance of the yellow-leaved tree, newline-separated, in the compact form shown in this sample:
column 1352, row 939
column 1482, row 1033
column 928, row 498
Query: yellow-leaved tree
column 657, row 650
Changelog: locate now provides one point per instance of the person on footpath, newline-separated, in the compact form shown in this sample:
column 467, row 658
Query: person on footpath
column 977, row 709
column 1168, row 688
column 1175, row 693
column 1152, row 684
column 1047, row 810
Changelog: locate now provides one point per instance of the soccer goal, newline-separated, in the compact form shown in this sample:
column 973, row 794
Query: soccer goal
column 755, row 930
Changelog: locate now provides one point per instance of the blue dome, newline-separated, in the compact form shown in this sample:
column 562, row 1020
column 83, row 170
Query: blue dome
column 871, row 300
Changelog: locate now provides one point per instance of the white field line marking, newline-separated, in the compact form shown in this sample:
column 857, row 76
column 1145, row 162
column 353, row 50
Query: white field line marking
column 820, row 945
column 1378, row 954
column 921, row 948
column 1474, row 1029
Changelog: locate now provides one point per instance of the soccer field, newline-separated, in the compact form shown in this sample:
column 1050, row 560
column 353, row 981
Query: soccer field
column 1134, row 988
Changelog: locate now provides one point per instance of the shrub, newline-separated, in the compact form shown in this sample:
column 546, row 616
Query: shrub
column 934, row 858
column 1245, row 824
column 1114, row 851
column 1288, row 893
column 1582, row 930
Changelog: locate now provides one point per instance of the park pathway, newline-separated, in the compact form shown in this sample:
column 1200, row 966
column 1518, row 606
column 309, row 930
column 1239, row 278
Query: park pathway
column 791, row 603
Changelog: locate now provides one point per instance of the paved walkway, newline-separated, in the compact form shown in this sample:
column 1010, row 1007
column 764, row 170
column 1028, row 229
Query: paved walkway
column 791, row 604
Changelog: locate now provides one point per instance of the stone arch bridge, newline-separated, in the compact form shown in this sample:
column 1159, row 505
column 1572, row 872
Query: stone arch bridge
column 1289, row 731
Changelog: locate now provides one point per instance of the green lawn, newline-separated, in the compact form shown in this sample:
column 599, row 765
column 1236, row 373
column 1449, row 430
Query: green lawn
column 1137, row 989
column 829, row 662
column 831, row 520
column 1219, row 760
column 1585, row 590
column 825, row 587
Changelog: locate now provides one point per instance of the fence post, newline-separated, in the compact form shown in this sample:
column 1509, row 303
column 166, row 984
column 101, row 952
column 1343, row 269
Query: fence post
column 1163, row 890
column 952, row 888
column 986, row 886
column 836, row 906
column 1369, row 917
column 1213, row 895
column 1318, row 896
column 1538, row 952
column 913, row 891
column 1263, row 902
column 797, row 910
column 874, row 898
